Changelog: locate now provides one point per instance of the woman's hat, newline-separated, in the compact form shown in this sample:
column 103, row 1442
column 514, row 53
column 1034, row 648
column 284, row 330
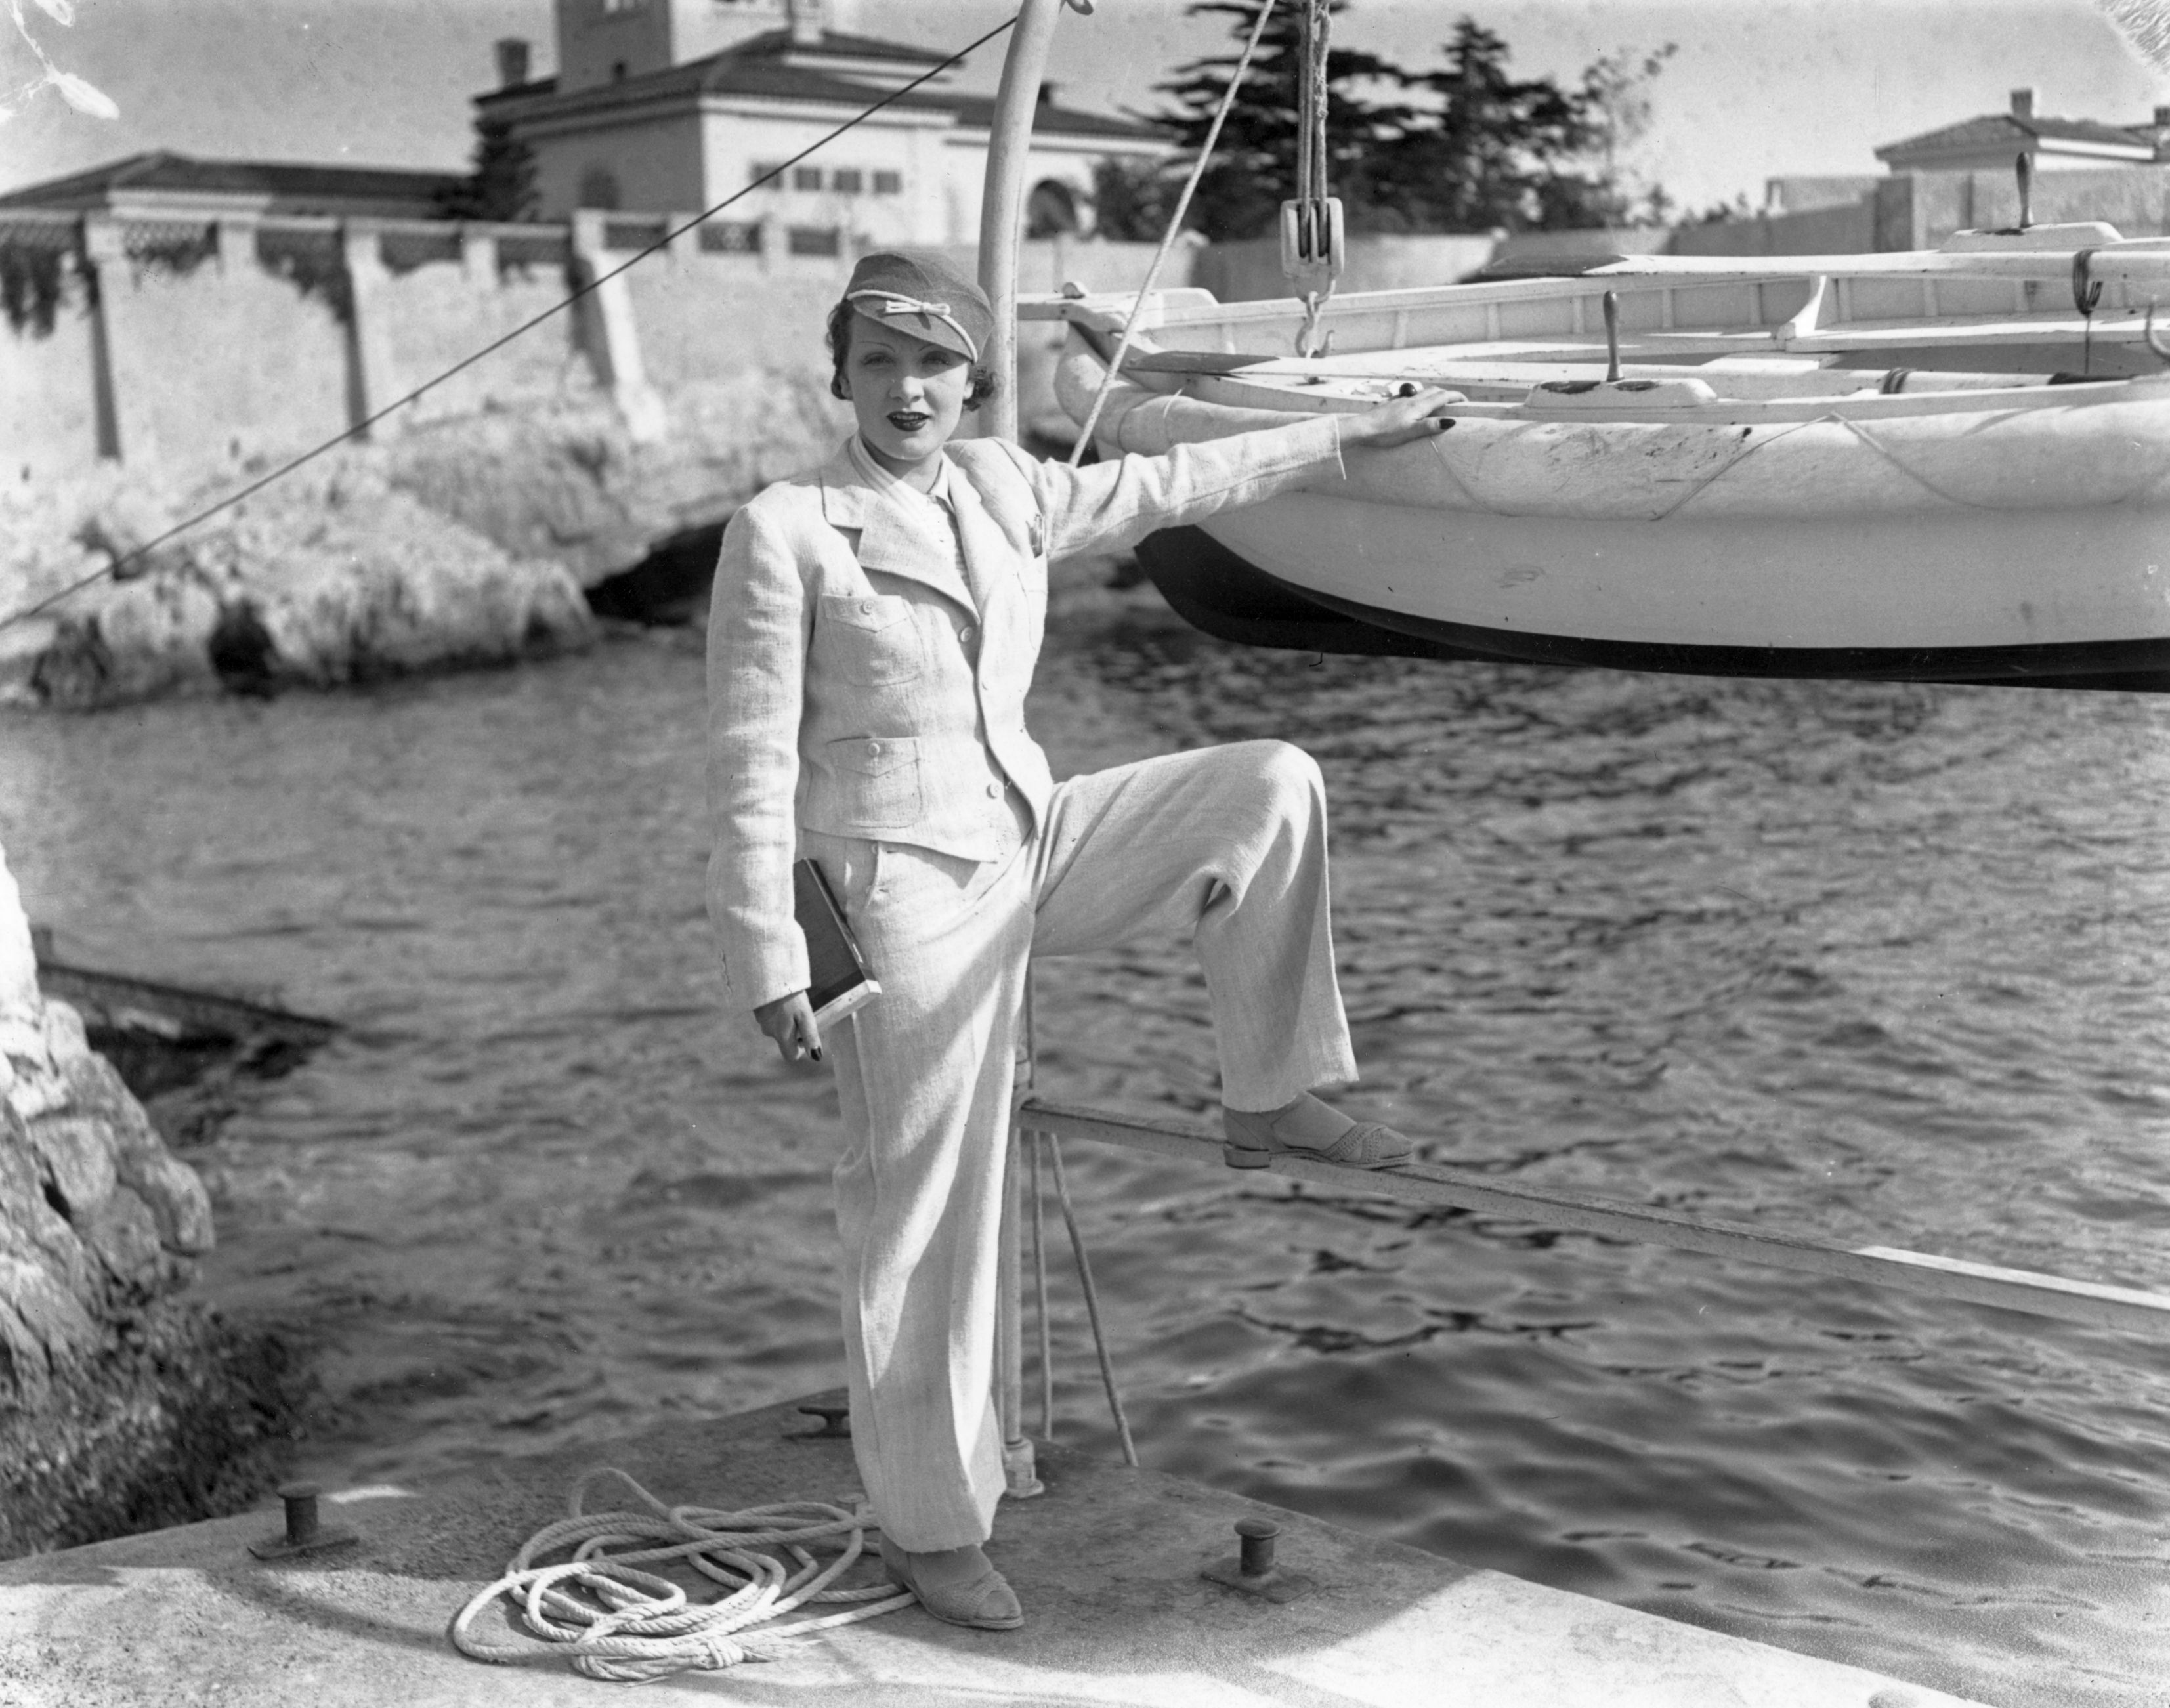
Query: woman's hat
column 925, row 296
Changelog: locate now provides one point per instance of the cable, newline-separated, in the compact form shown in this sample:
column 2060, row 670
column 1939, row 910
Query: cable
column 525, row 326
column 1174, row 228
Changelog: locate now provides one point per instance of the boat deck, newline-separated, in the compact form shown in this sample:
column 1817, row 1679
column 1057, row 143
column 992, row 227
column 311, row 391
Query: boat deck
column 1107, row 1563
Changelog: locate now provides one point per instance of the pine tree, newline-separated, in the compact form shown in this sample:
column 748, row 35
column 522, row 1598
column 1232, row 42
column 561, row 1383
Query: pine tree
column 1465, row 147
column 1254, row 168
column 501, row 185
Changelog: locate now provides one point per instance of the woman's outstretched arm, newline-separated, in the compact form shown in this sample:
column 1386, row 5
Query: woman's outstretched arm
column 1109, row 506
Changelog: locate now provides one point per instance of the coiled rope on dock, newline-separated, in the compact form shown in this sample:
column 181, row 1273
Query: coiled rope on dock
column 624, row 1624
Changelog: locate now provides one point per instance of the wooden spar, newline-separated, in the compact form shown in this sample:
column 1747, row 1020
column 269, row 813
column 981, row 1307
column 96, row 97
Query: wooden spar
column 1001, row 204
column 2092, row 1303
column 1001, row 199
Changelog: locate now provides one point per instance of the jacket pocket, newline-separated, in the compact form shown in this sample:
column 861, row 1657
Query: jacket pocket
column 872, row 639
column 877, row 781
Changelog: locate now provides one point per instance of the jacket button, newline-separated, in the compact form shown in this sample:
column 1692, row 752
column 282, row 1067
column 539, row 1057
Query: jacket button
column 994, row 791
column 873, row 747
column 965, row 636
column 866, row 607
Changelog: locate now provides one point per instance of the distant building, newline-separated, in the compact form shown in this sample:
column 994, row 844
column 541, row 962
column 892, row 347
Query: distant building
column 670, row 105
column 1995, row 141
column 179, row 186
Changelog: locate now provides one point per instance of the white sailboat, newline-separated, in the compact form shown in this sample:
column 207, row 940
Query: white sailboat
column 1946, row 465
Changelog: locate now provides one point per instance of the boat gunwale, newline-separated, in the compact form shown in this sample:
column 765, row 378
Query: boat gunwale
column 1229, row 391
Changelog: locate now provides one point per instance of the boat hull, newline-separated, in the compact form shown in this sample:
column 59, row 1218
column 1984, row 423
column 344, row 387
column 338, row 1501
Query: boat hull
column 1259, row 589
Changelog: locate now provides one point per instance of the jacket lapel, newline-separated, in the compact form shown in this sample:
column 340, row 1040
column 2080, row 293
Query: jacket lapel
column 989, row 559
column 898, row 539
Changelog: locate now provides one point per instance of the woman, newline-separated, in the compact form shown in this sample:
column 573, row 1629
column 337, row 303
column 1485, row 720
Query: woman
column 872, row 631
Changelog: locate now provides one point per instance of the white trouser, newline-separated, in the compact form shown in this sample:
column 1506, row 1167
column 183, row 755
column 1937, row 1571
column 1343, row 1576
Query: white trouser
column 1226, row 843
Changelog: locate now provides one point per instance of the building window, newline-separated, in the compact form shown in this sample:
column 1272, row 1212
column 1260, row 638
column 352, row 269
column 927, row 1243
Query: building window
column 816, row 240
column 889, row 183
column 718, row 238
column 617, row 71
column 614, row 6
column 765, row 170
column 805, row 178
column 848, row 180
column 1049, row 209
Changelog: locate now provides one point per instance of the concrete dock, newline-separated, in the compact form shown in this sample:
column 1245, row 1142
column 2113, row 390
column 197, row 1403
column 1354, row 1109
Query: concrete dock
column 1107, row 1563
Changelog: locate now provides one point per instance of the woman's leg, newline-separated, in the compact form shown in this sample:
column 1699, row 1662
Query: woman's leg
column 1229, row 844
column 924, row 1076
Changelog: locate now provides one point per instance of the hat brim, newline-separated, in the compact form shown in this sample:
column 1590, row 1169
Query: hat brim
column 924, row 327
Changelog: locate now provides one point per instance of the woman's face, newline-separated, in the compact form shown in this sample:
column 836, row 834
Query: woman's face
column 908, row 394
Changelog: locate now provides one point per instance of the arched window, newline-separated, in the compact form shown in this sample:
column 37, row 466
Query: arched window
column 599, row 187
column 1050, row 210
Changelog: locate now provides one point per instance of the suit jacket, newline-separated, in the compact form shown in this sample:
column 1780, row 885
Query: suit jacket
column 859, row 684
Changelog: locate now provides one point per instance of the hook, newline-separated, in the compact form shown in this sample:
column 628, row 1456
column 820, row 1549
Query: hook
column 1308, row 343
column 2087, row 293
column 2086, row 290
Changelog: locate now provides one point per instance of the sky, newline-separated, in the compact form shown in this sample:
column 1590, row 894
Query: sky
column 1758, row 87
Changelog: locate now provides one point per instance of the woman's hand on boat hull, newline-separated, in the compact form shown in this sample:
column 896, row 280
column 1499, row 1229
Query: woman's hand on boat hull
column 1400, row 420
column 790, row 1020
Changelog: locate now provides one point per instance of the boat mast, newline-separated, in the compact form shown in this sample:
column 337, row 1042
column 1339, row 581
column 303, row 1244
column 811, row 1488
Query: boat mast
column 1001, row 199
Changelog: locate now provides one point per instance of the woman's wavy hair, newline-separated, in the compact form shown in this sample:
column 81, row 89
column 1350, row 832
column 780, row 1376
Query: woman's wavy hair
column 980, row 387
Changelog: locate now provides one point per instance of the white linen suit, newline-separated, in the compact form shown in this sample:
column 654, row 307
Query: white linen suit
column 868, row 666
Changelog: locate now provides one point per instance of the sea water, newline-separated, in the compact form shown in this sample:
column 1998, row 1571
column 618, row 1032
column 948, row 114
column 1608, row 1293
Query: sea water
column 1873, row 964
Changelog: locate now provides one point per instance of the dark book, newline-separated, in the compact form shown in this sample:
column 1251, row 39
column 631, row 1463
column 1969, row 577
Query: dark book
column 838, row 983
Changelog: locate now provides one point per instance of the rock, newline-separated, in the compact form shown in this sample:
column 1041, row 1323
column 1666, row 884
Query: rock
column 178, row 1415
column 330, row 576
column 123, row 1235
column 174, row 1191
column 75, row 1163
column 18, row 954
column 120, row 1404
column 46, row 1328
column 66, row 1039
column 463, row 540
column 569, row 482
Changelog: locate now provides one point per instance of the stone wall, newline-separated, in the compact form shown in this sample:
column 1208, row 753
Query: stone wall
column 182, row 343
column 122, row 1406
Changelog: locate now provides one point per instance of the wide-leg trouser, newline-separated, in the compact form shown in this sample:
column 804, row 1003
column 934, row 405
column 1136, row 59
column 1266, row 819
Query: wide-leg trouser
column 1228, row 844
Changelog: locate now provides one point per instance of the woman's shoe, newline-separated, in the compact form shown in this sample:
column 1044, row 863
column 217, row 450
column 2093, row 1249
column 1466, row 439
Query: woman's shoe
column 1255, row 1138
column 965, row 1588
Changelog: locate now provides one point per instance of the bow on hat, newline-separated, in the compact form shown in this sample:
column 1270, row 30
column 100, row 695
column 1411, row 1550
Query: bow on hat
column 895, row 302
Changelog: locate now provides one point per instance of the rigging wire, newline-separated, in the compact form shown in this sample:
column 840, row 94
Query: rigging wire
column 1168, row 237
column 121, row 563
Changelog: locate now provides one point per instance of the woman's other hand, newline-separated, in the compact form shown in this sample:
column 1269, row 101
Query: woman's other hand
column 789, row 1019
column 1400, row 420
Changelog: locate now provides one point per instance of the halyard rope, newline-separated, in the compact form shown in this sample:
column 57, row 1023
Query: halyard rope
column 359, row 427
column 626, row 1626
column 1174, row 229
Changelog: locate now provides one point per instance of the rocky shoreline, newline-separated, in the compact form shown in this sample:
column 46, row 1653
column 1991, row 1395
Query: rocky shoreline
column 123, row 1404
column 464, row 541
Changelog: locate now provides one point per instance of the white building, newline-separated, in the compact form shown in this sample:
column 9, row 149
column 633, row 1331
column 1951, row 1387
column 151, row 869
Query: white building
column 670, row 105
column 1992, row 142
